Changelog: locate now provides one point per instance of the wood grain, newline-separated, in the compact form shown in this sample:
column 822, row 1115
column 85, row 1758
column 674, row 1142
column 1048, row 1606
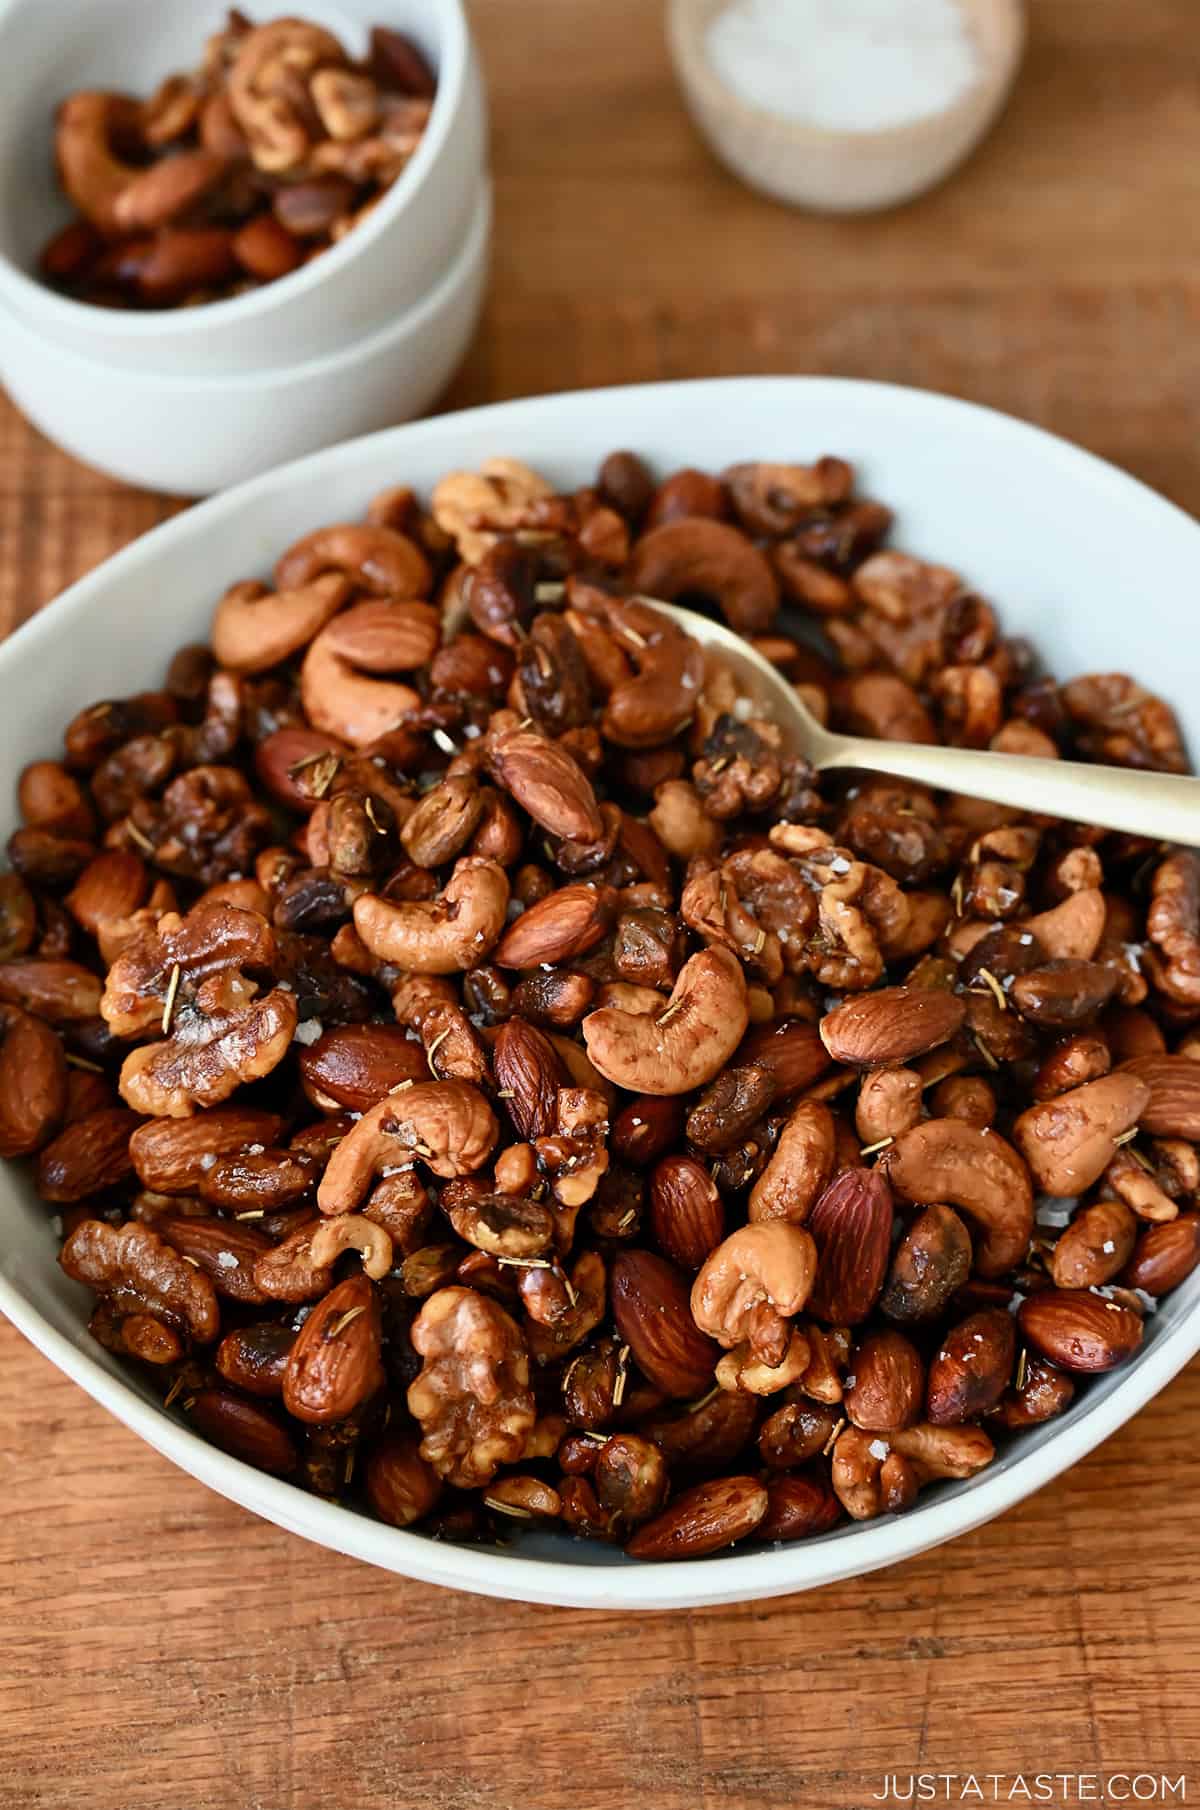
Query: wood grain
column 161, row 1650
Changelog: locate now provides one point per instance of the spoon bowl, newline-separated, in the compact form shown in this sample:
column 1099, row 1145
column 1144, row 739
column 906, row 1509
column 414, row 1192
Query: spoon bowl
column 1164, row 806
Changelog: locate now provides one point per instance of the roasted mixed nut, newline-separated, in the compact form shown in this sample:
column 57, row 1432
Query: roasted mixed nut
column 487, row 1082
column 235, row 173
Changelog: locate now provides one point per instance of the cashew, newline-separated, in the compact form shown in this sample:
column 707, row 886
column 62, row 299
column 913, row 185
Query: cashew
column 255, row 629
column 270, row 60
column 1138, row 1190
column 352, row 1232
column 375, row 559
column 504, row 1225
column 740, row 1370
column 800, row 1167
column 446, row 935
column 867, row 1468
column 447, row 1125
column 680, row 823
column 696, row 556
column 966, row 1097
column 1072, row 929
column 889, row 1103
column 652, row 708
column 885, row 707
column 622, row 996
column 475, row 507
column 580, row 1068
column 949, row 1161
column 943, row 1451
column 167, row 189
column 1069, row 1141
column 93, row 177
column 380, row 636
column 691, row 1040
column 746, row 1292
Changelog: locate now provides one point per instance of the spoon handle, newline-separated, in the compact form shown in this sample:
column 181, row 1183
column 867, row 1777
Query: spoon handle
column 1165, row 806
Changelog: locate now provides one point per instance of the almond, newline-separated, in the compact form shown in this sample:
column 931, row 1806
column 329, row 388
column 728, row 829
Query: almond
column 886, row 1384
column 18, row 917
column 473, row 664
column 401, row 1487
column 33, row 1082
column 292, row 763
column 653, row 1317
column 355, row 1065
column 706, row 1436
column 62, row 992
column 223, row 1249
column 1173, row 1110
column 1068, row 1142
column 703, row 1520
column 799, row 1506
column 335, row 1364
column 890, row 1026
column 383, row 636
column 444, row 821
column 244, row 1430
column 254, row 1358
column 851, row 1225
column 971, row 1368
column 646, row 1129
column 111, row 886
column 792, row 1051
column 687, row 1212
column 1079, row 1331
column 48, row 794
column 89, row 1156
column 563, row 925
column 528, row 1076
column 172, row 1156
column 547, row 783
column 1095, row 1246
column 1165, row 1255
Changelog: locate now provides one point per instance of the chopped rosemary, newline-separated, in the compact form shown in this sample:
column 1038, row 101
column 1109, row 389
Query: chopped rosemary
column 169, row 1003
column 622, row 1376
column 833, row 1437
column 986, row 975
column 874, row 1149
column 342, row 1321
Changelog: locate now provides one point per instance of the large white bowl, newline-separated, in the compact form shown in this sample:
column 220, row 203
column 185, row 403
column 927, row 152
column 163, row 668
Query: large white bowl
column 385, row 266
column 193, row 435
column 1075, row 553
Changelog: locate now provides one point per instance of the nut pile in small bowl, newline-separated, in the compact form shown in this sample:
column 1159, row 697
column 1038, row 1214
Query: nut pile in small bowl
column 484, row 1082
column 236, row 173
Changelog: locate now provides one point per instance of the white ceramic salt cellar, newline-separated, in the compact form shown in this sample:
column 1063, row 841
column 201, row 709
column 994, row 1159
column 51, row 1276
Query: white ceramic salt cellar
column 842, row 168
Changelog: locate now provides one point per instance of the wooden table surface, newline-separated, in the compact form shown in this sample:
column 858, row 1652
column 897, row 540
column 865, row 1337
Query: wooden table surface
column 162, row 1650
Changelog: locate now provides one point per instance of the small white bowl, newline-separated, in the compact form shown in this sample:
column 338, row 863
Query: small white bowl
column 845, row 172
column 192, row 435
column 390, row 261
column 1094, row 576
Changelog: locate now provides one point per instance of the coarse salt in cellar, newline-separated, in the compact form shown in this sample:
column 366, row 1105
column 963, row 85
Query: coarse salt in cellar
column 845, row 65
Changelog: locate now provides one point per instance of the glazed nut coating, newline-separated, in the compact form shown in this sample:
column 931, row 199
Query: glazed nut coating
column 483, row 1079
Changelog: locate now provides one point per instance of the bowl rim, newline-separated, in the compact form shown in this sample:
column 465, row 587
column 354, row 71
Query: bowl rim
column 723, row 1578
column 979, row 99
column 174, row 324
column 219, row 384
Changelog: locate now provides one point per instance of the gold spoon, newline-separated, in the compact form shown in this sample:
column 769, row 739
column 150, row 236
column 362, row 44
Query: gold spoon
column 1164, row 806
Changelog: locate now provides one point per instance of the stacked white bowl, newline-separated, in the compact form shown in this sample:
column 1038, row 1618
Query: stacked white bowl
column 193, row 399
